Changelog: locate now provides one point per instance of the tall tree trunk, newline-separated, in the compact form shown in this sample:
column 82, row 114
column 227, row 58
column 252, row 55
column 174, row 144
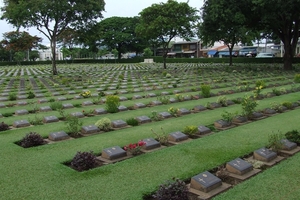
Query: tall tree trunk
column 165, row 60
column 230, row 47
column 53, row 49
column 288, row 57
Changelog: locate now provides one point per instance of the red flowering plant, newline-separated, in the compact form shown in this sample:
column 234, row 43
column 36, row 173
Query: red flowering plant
column 135, row 149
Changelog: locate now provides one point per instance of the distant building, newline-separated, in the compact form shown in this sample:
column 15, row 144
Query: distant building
column 47, row 55
column 186, row 49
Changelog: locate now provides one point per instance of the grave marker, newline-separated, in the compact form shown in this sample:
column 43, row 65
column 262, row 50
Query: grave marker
column 177, row 136
column 288, row 145
column 21, row 123
column 239, row 166
column 21, row 112
column 203, row 130
column 143, row 119
column 60, row 135
column 113, row 153
column 205, row 182
column 89, row 129
column 99, row 111
column 264, row 154
column 165, row 115
column 118, row 123
column 50, row 119
column 45, row 108
column 150, row 144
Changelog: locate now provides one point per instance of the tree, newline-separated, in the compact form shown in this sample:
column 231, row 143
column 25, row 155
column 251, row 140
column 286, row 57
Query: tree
column 281, row 18
column 115, row 53
column 164, row 21
column 116, row 33
column 148, row 52
column 51, row 18
column 225, row 20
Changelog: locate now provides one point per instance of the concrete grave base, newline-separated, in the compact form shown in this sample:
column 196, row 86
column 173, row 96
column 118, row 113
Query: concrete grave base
column 212, row 193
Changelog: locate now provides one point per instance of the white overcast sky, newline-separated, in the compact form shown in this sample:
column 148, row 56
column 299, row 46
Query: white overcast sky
column 122, row 8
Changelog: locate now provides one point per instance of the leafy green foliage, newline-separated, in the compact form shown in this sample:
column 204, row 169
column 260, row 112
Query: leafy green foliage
column 293, row 136
column 172, row 190
column 275, row 141
column 205, row 90
column 30, row 95
column 84, row 161
column 3, row 126
column 190, row 130
column 12, row 96
column 73, row 125
column 112, row 103
column 32, row 139
column 56, row 105
column 132, row 122
column 104, row 124
column 297, row 78
column 248, row 106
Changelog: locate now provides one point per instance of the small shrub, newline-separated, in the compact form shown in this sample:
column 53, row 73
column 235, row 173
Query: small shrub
column 222, row 100
column 112, row 103
column 190, row 130
column 287, row 104
column 155, row 116
column 161, row 137
column 7, row 114
column 135, row 149
column 168, row 75
column 293, row 136
column 172, row 190
column 56, row 105
column 31, row 140
column 228, row 116
column 173, row 111
column 274, row 141
column 297, row 78
column 85, row 94
column 132, row 122
column 179, row 97
column 12, row 96
column 104, row 124
column 36, row 120
column 164, row 99
column 276, row 91
column 30, row 95
column 260, row 83
column 84, row 161
column 3, row 126
column 248, row 106
column 73, row 125
column 205, row 90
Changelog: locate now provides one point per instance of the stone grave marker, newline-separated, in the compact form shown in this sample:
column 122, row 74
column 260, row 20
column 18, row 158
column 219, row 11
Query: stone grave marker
column 5, row 94
column 59, row 135
column 123, row 98
column 200, row 108
column 50, row 119
column 61, row 98
column 1, row 115
column 21, row 123
column 55, row 93
column 203, row 130
column 137, row 97
column 230, row 102
column 113, row 153
column 269, row 111
column 67, row 105
column 139, row 105
column 165, row 115
column 239, row 166
column 150, row 144
column 240, row 119
column 177, row 136
column 21, row 112
column 122, row 108
column 215, row 105
column 288, row 145
column 187, row 98
column 3, row 99
column 22, row 103
column 78, row 114
column 42, row 100
column 143, row 119
column 164, row 93
column 264, row 154
column 205, row 182
column 222, row 123
column 156, row 102
column 90, row 129
column 87, row 103
column 151, row 95
column 2, row 105
column 78, row 97
column 71, row 92
column 118, row 123
column 123, row 91
column 99, row 111
column 39, row 96
column 45, row 108
column 256, row 115
column 21, row 97
column 184, row 111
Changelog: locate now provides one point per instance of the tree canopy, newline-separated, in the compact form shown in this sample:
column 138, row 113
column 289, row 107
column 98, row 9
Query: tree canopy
column 165, row 21
column 225, row 20
column 51, row 18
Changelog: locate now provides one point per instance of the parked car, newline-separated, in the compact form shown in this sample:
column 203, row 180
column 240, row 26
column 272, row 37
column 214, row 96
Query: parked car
column 248, row 51
column 225, row 54
column 265, row 55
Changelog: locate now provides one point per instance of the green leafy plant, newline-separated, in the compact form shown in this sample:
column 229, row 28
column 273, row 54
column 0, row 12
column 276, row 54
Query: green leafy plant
column 132, row 122
column 85, row 94
column 3, row 126
column 190, row 130
column 275, row 141
column 161, row 137
column 30, row 95
column 287, row 104
column 222, row 100
column 173, row 111
column 297, row 78
column 32, row 139
column 293, row 136
column 84, row 161
column 56, row 105
column 260, row 83
column 276, row 91
column 36, row 120
column 164, row 99
column 73, row 125
column 155, row 116
column 248, row 106
column 228, row 116
column 12, row 96
column 179, row 97
column 104, row 124
column 112, row 103
column 205, row 90
column 257, row 91
column 174, row 189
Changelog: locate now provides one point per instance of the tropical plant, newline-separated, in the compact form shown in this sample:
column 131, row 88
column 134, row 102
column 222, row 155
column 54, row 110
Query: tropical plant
column 84, row 161
column 248, row 106
column 174, row 189
column 112, row 103
column 73, row 125
column 104, row 124
column 32, row 139
column 293, row 136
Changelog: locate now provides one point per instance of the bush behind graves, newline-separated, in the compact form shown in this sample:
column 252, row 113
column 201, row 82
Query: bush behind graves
column 190, row 130
column 112, row 103
column 293, row 136
column 205, row 90
column 104, row 124
column 132, row 122
column 3, row 126
column 84, row 161
column 174, row 189
column 274, row 141
column 73, row 125
column 32, row 139
column 56, row 105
